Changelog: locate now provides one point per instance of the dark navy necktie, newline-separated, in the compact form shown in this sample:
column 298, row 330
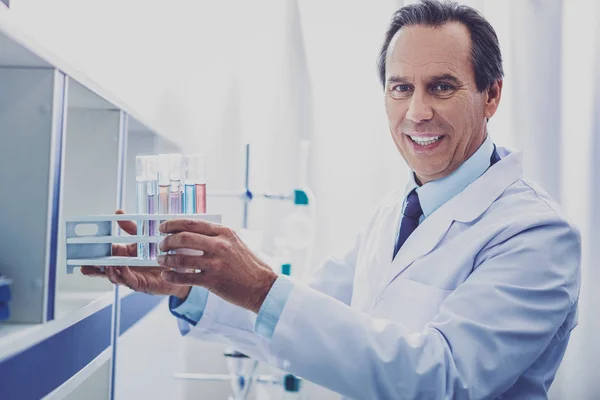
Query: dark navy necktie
column 413, row 212
column 410, row 219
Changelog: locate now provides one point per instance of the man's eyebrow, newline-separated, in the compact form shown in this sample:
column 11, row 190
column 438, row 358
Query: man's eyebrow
column 442, row 77
column 397, row 79
column 446, row 77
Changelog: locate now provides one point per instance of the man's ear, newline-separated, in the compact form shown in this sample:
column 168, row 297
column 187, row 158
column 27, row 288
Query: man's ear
column 493, row 95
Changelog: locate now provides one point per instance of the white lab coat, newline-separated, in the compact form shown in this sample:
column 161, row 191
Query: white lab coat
column 480, row 299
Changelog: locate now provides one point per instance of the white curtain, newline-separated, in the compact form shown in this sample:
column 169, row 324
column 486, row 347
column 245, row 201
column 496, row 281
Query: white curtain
column 578, row 378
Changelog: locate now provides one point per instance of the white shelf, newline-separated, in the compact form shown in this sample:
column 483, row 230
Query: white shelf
column 114, row 239
column 83, row 98
column 14, row 338
column 112, row 261
column 216, row 218
column 79, row 378
column 12, row 50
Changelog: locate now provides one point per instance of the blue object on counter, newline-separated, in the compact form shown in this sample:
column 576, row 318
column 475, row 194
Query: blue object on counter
column 4, row 298
column 4, row 290
column 4, row 294
column 4, row 312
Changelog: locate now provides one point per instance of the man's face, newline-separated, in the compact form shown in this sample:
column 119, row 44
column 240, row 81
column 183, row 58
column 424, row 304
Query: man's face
column 435, row 113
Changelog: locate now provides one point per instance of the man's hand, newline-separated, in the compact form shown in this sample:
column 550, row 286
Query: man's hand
column 229, row 268
column 143, row 279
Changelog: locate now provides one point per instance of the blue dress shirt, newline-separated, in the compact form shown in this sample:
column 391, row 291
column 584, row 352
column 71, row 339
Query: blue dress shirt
column 432, row 195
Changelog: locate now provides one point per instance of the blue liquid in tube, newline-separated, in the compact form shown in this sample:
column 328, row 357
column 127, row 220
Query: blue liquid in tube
column 190, row 199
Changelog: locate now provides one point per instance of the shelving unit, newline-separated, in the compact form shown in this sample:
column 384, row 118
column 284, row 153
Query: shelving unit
column 61, row 133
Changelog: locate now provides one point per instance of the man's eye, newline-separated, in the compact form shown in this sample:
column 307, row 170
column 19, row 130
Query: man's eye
column 442, row 87
column 401, row 88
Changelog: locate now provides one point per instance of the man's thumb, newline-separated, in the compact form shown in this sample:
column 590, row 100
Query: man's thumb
column 128, row 226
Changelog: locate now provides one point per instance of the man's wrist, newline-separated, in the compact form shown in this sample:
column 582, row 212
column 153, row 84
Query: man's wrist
column 267, row 283
column 182, row 292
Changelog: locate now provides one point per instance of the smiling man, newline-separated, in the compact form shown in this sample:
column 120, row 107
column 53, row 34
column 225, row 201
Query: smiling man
column 464, row 285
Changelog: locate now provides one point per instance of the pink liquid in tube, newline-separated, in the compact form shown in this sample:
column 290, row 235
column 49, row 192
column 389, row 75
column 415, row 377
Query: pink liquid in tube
column 201, row 198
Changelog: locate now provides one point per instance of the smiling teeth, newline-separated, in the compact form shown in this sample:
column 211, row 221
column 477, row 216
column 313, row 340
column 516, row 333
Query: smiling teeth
column 425, row 141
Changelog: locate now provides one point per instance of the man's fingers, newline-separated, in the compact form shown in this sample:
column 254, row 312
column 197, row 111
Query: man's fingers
column 124, row 250
column 128, row 275
column 188, row 240
column 188, row 225
column 114, row 277
column 128, row 226
column 183, row 261
column 132, row 250
column 182, row 278
column 92, row 271
column 120, row 250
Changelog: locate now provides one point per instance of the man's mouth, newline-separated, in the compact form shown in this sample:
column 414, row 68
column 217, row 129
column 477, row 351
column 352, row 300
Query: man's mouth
column 425, row 140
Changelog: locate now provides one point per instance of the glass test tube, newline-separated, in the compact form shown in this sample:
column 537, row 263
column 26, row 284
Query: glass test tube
column 163, row 187
column 152, row 190
column 189, row 198
column 142, row 204
column 176, row 185
column 200, row 180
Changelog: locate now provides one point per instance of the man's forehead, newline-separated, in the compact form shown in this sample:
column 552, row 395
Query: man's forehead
column 419, row 46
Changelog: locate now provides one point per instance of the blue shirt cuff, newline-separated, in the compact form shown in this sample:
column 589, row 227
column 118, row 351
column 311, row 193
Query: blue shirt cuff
column 271, row 310
column 191, row 309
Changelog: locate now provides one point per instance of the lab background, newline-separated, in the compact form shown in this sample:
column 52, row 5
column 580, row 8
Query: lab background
column 213, row 76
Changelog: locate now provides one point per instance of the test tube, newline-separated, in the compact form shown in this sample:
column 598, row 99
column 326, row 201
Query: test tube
column 189, row 180
column 176, row 185
column 200, row 180
column 163, row 187
column 163, row 183
column 141, row 180
column 152, row 190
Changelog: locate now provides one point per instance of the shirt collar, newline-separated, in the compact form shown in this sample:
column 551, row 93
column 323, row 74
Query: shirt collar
column 434, row 194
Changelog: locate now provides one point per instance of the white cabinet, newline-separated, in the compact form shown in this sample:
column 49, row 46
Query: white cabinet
column 67, row 148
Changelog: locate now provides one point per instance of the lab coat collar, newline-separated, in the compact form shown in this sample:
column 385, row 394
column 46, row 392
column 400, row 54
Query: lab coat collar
column 465, row 207
column 435, row 193
column 479, row 196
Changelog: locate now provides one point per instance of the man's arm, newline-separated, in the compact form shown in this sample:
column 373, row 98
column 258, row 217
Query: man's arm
column 487, row 332
column 208, row 312
column 334, row 278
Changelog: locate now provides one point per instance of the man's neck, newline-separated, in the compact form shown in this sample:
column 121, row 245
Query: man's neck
column 423, row 181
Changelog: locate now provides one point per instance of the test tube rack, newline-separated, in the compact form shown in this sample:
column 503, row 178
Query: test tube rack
column 89, row 239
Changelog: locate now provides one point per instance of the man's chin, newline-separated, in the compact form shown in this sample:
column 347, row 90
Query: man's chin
column 428, row 173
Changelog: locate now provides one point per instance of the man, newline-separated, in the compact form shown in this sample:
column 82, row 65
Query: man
column 462, row 286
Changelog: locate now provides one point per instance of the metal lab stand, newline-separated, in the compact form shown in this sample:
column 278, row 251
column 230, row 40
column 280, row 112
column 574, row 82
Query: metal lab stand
column 243, row 375
column 241, row 379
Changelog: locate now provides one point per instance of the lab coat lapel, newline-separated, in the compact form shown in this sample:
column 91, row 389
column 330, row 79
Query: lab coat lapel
column 427, row 235
column 464, row 207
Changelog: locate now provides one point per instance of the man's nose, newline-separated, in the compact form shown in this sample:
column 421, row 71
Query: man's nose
column 419, row 110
